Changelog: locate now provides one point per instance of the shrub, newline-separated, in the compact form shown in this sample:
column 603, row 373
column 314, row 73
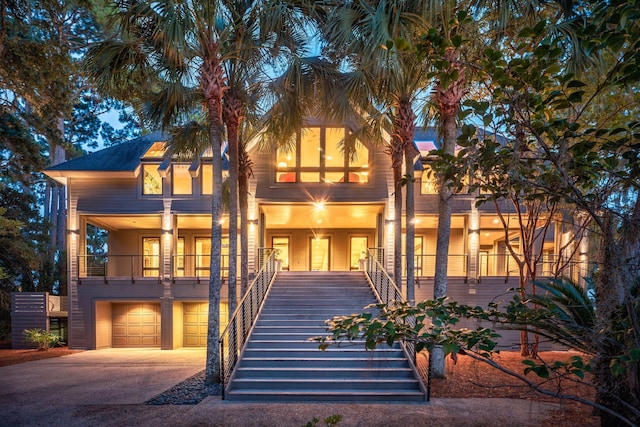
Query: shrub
column 43, row 339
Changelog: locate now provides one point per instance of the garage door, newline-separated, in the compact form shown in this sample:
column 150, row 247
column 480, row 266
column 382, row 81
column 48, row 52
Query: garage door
column 136, row 325
column 195, row 322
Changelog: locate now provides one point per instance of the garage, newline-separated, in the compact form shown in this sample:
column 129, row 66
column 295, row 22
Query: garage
column 195, row 320
column 136, row 325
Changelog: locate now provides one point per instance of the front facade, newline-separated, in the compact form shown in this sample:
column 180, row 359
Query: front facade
column 148, row 287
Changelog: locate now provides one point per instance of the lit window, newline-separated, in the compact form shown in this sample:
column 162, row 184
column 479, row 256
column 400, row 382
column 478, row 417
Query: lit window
column 319, row 156
column 151, row 256
column 156, row 150
column 151, row 180
column 181, row 180
column 428, row 183
column 207, row 179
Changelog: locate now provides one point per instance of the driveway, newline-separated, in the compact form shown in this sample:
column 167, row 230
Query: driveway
column 109, row 388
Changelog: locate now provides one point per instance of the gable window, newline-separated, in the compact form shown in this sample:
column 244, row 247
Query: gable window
column 181, row 180
column 318, row 156
column 151, row 180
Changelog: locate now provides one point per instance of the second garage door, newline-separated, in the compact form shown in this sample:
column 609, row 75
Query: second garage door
column 136, row 325
column 195, row 324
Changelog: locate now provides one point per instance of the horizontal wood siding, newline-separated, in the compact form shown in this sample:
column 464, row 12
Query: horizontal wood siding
column 28, row 311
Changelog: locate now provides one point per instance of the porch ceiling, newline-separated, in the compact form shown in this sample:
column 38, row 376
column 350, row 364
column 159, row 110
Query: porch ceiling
column 327, row 216
column 115, row 222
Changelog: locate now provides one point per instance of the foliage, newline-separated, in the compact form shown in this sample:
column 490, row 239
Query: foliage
column 434, row 323
column 330, row 421
column 43, row 339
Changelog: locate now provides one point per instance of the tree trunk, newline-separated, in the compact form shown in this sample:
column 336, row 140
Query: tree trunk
column 244, row 172
column 616, row 305
column 396, row 153
column 449, row 136
column 411, row 228
column 232, row 121
column 213, row 85
column 397, row 226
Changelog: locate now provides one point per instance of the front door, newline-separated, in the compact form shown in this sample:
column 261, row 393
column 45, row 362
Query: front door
column 320, row 247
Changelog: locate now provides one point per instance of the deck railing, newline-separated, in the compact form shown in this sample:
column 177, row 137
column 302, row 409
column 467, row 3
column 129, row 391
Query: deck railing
column 235, row 335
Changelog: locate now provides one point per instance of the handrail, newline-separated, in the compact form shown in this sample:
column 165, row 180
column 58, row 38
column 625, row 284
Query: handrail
column 234, row 336
column 387, row 293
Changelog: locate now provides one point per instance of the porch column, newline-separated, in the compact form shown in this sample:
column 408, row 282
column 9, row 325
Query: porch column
column 75, row 314
column 166, row 301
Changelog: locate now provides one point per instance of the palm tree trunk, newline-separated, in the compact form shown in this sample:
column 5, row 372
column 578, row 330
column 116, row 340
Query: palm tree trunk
column 244, row 172
column 212, row 83
column 231, row 114
column 397, row 226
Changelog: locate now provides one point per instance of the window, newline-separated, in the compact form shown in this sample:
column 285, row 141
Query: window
column 203, row 255
column 181, row 180
column 179, row 257
column 428, row 182
column 151, row 256
column 318, row 156
column 359, row 246
column 207, row 179
column 281, row 244
column 151, row 180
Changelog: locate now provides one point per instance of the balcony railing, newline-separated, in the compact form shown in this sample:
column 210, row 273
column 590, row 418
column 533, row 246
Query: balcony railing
column 140, row 266
column 235, row 335
column 425, row 265
column 549, row 265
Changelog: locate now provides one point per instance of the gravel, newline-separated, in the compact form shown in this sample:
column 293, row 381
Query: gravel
column 191, row 391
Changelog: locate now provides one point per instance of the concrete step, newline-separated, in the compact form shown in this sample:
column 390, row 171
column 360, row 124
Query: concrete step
column 324, row 396
column 328, row 384
column 354, row 362
column 315, row 373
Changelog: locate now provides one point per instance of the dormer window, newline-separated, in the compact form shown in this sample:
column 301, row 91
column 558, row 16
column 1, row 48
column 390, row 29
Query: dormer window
column 181, row 180
column 319, row 156
column 151, row 180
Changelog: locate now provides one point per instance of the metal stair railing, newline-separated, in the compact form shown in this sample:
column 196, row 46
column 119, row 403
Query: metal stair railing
column 234, row 336
column 388, row 293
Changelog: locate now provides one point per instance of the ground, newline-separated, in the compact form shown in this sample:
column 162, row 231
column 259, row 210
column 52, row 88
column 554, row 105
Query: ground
column 466, row 378
column 12, row 357
column 470, row 378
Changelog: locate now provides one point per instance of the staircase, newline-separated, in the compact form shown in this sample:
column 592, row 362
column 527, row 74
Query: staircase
column 279, row 364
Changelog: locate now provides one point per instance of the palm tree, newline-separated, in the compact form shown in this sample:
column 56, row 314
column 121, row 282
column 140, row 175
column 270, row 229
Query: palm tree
column 375, row 38
column 258, row 39
column 177, row 47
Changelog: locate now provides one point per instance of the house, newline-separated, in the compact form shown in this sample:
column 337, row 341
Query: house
column 322, row 211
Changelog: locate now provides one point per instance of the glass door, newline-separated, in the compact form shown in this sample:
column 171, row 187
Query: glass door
column 319, row 253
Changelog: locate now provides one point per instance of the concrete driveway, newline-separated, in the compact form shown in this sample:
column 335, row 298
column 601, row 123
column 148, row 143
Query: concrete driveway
column 109, row 388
